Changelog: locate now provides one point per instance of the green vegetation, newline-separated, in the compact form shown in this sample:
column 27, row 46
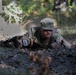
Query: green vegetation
column 33, row 9
column 36, row 9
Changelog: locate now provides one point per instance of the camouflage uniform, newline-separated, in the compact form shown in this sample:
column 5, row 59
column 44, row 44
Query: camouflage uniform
column 55, row 41
column 36, row 40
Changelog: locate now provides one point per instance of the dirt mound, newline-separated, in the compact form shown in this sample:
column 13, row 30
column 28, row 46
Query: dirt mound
column 37, row 62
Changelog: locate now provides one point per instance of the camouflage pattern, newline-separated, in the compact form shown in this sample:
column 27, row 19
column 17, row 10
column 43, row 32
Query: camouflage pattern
column 47, row 24
column 35, row 40
column 20, row 41
column 56, row 40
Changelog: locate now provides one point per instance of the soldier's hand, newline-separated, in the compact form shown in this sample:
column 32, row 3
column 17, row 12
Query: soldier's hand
column 55, row 45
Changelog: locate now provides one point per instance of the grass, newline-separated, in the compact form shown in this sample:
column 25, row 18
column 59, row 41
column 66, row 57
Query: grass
column 66, row 22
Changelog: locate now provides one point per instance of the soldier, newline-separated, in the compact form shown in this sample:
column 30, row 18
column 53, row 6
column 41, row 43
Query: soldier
column 46, row 36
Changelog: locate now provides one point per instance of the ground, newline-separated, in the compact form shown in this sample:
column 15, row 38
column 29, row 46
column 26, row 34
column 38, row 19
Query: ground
column 38, row 62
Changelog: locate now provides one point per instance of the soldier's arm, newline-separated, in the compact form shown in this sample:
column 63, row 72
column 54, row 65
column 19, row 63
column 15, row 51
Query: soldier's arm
column 27, row 41
column 66, row 44
column 61, row 40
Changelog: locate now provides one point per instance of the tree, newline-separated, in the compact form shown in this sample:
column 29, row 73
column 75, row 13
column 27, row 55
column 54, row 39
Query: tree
column 22, row 10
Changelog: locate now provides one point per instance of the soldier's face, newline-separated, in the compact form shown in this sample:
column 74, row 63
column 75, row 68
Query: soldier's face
column 46, row 33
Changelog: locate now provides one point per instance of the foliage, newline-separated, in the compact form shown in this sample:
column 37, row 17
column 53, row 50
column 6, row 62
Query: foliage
column 12, row 13
column 30, row 9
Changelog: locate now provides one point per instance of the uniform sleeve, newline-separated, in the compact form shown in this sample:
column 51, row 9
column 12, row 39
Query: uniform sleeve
column 60, row 39
column 57, row 37
column 67, row 44
column 26, row 41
